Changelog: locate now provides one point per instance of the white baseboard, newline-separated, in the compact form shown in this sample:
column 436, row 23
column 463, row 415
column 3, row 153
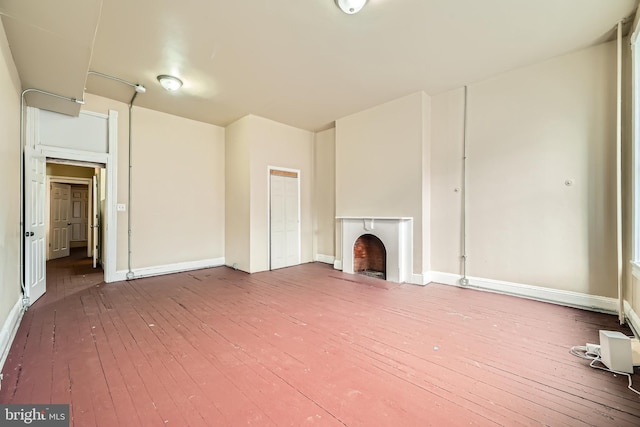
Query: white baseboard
column 539, row 293
column 337, row 264
column 327, row 259
column 420, row 279
column 632, row 318
column 9, row 329
column 159, row 270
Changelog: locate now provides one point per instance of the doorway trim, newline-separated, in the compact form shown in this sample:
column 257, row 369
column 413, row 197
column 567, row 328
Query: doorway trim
column 110, row 160
column 299, row 177
column 66, row 180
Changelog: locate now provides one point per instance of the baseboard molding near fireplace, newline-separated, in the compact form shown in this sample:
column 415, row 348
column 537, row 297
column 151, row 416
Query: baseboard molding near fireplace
column 538, row 293
column 180, row 267
column 327, row 259
column 420, row 279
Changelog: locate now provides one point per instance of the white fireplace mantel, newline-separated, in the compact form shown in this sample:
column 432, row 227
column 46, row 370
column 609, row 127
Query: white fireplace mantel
column 396, row 233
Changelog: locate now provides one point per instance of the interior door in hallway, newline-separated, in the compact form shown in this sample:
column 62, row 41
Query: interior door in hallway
column 94, row 221
column 34, row 222
column 285, row 219
column 60, row 220
column 79, row 213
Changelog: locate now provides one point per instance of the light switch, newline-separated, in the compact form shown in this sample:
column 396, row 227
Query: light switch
column 121, row 207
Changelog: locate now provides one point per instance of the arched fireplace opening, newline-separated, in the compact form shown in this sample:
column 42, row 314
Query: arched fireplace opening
column 370, row 257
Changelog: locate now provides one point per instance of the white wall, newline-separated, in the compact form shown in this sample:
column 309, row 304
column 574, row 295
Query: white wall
column 446, row 180
column 325, row 193
column 237, row 195
column 87, row 132
column 529, row 130
column 10, row 189
column 278, row 145
column 426, row 188
column 178, row 187
column 253, row 144
column 380, row 155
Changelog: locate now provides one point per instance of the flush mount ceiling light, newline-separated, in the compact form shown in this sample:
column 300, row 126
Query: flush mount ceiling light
column 351, row 6
column 170, row 83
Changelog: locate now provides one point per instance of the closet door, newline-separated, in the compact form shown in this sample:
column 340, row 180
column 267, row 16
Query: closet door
column 285, row 219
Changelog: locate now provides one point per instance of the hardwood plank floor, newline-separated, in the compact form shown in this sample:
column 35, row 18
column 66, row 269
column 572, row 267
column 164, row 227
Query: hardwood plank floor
column 306, row 345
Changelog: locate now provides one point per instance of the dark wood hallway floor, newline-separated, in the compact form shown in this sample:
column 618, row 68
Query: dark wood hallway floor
column 306, row 345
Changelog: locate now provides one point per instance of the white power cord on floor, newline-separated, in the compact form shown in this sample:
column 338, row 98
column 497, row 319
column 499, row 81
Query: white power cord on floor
column 582, row 352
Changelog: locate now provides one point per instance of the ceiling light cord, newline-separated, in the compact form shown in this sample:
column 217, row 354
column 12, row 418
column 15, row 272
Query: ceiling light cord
column 138, row 87
column 25, row 299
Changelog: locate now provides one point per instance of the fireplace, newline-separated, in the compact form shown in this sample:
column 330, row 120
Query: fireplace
column 370, row 257
column 396, row 239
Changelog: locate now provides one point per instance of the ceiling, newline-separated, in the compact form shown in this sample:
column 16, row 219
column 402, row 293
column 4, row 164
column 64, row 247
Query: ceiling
column 302, row 63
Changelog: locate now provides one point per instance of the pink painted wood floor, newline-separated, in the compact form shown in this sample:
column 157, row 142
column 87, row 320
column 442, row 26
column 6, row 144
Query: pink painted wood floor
column 306, row 345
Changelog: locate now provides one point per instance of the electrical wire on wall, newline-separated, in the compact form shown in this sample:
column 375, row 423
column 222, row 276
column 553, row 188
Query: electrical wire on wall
column 130, row 274
column 23, row 232
column 464, row 281
column 138, row 89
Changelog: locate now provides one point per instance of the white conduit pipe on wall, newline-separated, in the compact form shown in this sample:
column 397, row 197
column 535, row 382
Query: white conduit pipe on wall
column 25, row 302
column 464, row 281
column 138, row 89
column 621, row 316
column 130, row 274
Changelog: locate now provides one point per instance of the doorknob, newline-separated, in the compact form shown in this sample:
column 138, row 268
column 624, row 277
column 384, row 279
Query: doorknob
column 28, row 234
column 68, row 223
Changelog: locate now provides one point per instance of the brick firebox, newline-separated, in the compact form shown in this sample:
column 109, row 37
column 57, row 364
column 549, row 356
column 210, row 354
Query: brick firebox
column 370, row 256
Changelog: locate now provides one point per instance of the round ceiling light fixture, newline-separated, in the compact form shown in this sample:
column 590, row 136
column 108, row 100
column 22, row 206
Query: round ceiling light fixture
column 170, row 83
column 351, row 6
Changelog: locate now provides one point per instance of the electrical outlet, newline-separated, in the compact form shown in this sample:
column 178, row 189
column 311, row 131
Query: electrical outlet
column 593, row 349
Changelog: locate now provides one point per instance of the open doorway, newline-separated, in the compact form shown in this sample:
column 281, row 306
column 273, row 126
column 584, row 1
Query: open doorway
column 89, row 140
column 75, row 207
column 74, row 210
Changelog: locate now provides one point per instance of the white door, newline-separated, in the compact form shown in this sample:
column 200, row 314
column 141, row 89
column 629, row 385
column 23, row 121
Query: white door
column 60, row 220
column 94, row 221
column 285, row 222
column 79, row 213
column 35, row 227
